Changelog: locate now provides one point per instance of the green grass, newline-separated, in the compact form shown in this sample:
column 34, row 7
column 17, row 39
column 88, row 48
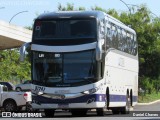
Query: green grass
column 149, row 97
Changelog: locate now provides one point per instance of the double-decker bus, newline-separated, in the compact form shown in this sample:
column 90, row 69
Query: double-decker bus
column 81, row 61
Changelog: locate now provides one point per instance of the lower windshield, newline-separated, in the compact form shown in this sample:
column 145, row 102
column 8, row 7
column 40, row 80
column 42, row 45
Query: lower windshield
column 63, row 69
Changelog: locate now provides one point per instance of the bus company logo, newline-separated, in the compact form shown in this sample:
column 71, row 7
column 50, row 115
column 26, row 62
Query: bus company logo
column 39, row 88
column 6, row 114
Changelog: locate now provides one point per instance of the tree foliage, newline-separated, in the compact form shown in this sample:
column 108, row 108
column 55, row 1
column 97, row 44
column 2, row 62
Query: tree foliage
column 69, row 7
column 11, row 68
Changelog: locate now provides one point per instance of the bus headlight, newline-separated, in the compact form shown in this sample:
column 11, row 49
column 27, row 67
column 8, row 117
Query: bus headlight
column 91, row 91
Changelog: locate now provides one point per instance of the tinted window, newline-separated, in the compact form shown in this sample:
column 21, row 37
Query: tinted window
column 121, row 39
column 65, row 29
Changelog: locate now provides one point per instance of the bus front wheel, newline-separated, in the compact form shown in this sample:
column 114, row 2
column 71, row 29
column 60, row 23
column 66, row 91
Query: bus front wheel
column 100, row 111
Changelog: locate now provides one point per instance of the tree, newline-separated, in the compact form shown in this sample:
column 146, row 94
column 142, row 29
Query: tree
column 99, row 9
column 69, row 7
column 11, row 68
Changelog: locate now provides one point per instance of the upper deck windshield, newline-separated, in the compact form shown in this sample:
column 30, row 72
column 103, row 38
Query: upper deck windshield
column 64, row 29
column 63, row 69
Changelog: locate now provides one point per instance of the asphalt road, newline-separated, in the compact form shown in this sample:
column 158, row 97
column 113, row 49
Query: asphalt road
column 140, row 112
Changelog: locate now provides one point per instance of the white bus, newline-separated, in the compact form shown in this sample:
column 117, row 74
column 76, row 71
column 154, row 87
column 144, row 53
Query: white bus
column 81, row 61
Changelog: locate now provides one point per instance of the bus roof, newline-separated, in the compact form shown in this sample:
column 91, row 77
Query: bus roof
column 71, row 14
column 83, row 14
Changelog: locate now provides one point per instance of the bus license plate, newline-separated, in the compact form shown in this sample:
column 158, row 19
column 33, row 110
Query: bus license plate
column 63, row 105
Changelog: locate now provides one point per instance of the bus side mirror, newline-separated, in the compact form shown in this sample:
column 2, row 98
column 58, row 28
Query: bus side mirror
column 99, row 51
column 23, row 50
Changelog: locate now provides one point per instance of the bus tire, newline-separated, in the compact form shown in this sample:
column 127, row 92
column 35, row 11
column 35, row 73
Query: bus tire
column 107, row 98
column 49, row 112
column 131, row 97
column 100, row 111
column 126, row 109
column 10, row 106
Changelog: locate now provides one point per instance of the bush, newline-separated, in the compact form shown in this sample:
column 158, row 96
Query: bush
column 147, row 84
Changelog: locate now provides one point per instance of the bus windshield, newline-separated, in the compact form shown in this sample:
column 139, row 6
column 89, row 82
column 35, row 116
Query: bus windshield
column 64, row 29
column 64, row 69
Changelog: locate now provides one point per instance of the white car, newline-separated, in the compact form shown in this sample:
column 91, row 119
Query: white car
column 14, row 101
column 25, row 86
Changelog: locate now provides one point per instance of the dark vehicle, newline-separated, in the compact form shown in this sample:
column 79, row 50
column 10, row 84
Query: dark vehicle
column 9, row 85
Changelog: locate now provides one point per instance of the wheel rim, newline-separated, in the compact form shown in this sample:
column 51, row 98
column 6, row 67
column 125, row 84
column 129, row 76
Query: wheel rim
column 10, row 107
column 127, row 104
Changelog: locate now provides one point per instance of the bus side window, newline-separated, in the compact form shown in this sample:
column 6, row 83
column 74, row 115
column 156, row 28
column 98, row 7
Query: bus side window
column 115, row 37
column 120, row 42
column 135, row 45
column 108, row 36
column 123, row 40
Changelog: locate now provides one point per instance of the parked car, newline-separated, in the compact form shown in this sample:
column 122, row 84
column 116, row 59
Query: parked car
column 25, row 86
column 9, row 85
column 13, row 101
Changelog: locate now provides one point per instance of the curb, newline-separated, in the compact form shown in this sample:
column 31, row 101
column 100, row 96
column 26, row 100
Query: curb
column 148, row 103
